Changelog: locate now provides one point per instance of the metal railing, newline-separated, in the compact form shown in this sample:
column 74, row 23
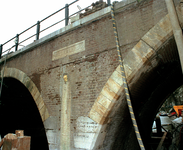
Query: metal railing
column 37, row 25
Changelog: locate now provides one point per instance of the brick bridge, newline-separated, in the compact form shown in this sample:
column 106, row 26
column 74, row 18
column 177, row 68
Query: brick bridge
column 88, row 110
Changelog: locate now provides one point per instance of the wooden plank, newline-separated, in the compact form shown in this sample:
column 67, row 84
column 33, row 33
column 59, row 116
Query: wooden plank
column 161, row 142
column 1, row 143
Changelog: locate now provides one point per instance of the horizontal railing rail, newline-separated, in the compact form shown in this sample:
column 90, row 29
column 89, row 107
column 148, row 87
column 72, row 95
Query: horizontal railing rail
column 38, row 31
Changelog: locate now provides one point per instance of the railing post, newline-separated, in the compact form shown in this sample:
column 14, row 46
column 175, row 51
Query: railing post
column 1, row 50
column 109, row 2
column 38, row 30
column 66, row 14
column 16, row 42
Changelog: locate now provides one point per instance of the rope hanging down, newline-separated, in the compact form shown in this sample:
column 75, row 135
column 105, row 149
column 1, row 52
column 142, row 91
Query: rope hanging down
column 125, row 82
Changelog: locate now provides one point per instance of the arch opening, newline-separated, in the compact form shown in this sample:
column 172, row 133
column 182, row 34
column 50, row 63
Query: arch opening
column 164, row 123
column 159, row 77
column 18, row 111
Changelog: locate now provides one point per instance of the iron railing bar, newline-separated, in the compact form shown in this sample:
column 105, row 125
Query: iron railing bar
column 73, row 2
column 64, row 19
column 27, row 38
column 57, row 11
column 28, row 28
column 9, row 40
column 52, row 25
column 40, row 22
column 8, row 49
column 52, row 14
column 19, row 34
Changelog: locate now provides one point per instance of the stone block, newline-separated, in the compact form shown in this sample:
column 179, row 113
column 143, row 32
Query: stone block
column 104, row 101
column 52, row 136
column 68, row 50
column 135, row 58
column 113, row 85
column 21, row 76
column 35, row 94
column 95, row 116
column 31, row 86
column 38, row 100
column 41, row 104
column 74, row 18
column 46, row 114
column 42, row 112
column 159, row 33
column 107, row 92
column 143, row 50
column 50, row 123
column 100, row 109
column 117, row 77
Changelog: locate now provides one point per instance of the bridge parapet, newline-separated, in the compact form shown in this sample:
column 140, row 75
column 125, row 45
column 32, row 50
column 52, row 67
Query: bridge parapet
column 85, row 18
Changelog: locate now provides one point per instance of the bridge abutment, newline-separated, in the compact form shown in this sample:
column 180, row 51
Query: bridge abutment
column 89, row 111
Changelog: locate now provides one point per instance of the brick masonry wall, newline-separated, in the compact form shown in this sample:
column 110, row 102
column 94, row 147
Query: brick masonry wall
column 88, row 70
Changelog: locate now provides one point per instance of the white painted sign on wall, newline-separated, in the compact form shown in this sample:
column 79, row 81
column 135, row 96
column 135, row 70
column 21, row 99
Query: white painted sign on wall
column 85, row 132
column 69, row 50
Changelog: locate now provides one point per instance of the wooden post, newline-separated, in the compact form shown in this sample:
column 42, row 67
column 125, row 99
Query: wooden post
column 16, row 141
column 158, row 126
column 161, row 142
column 177, row 31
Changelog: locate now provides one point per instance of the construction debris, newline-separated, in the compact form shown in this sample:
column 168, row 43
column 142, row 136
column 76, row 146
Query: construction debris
column 15, row 141
column 172, row 124
column 95, row 7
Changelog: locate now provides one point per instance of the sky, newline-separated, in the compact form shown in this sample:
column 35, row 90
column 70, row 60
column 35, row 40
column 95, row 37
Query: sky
column 18, row 15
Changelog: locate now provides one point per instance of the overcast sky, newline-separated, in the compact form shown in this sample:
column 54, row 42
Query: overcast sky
column 18, row 15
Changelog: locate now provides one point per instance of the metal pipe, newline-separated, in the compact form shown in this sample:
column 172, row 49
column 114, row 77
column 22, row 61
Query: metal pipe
column 1, row 50
column 16, row 42
column 38, row 30
column 66, row 14
column 177, row 31
column 58, row 11
column 52, row 25
column 109, row 2
column 158, row 126
column 28, row 29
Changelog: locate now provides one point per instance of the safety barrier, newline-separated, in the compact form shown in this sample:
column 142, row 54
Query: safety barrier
column 37, row 25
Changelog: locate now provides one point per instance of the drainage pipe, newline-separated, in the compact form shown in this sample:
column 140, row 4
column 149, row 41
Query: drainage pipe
column 177, row 31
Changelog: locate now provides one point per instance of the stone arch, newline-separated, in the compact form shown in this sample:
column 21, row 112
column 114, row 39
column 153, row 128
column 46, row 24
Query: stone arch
column 29, row 84
column 146, row 48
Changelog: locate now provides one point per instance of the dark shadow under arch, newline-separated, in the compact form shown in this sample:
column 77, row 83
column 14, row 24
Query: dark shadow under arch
column 18, row 111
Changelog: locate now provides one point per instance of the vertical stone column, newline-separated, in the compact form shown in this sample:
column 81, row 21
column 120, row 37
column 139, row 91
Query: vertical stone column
column 65, row 114
column 177, row 31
